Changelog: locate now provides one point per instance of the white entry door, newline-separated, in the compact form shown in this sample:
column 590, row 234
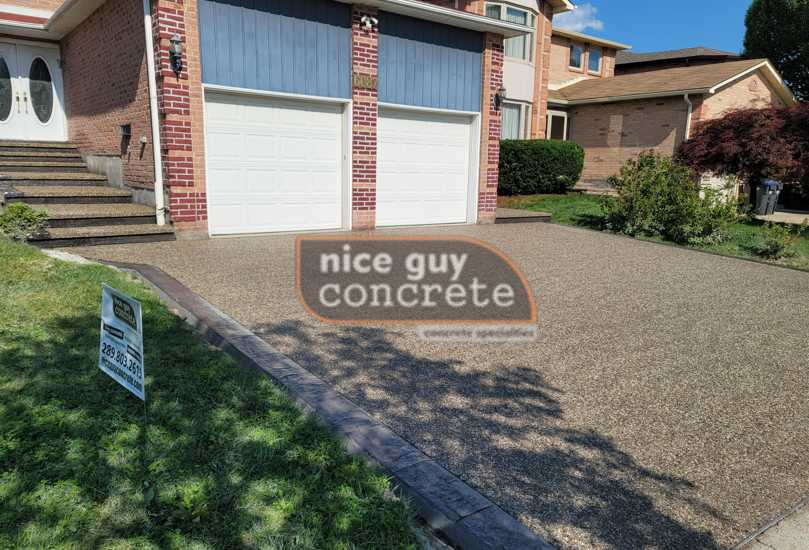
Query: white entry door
column 425, row 171
column 273, row 164
column 31, row 97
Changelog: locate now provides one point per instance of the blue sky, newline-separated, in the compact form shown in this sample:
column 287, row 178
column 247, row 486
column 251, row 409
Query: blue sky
column 652, row 25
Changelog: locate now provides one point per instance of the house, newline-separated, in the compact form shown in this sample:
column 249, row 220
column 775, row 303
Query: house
column 225, row 117
column 628, row 62
column 616, row 103
column 614, row 119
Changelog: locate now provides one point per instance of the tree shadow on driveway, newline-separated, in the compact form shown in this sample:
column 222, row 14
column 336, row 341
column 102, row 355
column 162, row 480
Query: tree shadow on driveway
column 504, row 431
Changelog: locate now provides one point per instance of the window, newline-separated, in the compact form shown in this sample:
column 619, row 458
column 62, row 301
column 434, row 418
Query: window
column 594, row 60
column 516, row 120
column 519, row 47
column 557, row 125
column 577, row 57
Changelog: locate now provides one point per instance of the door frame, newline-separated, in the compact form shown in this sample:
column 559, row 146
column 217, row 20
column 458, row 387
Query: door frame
column 473, row 186
column 59, row 88
column 346, row 136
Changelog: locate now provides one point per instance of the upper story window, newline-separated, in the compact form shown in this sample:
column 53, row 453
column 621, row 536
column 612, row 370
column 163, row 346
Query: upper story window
column 594, row 60
column 576, row 56
column 519, row 47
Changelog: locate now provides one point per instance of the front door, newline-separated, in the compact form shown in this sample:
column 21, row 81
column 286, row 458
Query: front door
column 30, row 93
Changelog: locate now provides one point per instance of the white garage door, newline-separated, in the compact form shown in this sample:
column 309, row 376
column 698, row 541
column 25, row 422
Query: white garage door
column 423, row 168
column 273, row 164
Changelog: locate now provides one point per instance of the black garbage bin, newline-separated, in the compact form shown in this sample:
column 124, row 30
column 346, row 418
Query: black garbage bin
column 773, row 197
column 766, row 190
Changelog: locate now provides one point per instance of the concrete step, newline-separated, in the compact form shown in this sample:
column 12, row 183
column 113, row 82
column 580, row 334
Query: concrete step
column 39, row 194
column 38, row 165
column 17, row 179
column 104, row 234
column 56, row 156
column 515, row 215
column 37, row 146
column 87, row 215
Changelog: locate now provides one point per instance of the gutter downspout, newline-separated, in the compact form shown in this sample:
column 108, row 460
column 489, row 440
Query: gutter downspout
column 160, row 201
column 688, row 117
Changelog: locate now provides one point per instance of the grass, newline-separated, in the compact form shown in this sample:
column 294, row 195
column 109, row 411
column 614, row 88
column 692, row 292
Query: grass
column 587, row 211
column 229, row 461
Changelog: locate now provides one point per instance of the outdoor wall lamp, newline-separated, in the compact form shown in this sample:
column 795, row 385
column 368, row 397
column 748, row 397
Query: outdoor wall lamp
column 176, row 54
column 369, row 22
column 500, row 96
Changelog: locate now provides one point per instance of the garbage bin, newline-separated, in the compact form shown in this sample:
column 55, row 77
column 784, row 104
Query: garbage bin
column 773, row 196
column 766, row 191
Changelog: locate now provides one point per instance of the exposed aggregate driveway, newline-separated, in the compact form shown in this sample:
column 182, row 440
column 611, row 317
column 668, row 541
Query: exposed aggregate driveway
column 665, row 405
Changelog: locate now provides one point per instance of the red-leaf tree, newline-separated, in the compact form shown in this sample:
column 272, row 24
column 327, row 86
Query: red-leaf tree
column 753, row 144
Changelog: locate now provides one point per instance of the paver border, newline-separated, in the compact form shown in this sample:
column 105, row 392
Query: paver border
column 447, row 504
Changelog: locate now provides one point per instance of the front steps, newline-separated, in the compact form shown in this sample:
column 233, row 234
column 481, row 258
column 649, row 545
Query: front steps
column 83, row 209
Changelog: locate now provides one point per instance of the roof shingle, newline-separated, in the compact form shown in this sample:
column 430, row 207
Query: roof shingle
column 627, row 58
column 678, row 79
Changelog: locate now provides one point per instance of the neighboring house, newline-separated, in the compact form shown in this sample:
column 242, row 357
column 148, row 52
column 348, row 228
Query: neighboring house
column 630, row 62
column 277, row 115
column 653, row 104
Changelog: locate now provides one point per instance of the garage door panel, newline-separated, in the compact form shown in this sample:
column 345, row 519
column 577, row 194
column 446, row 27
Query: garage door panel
column 273, row 164
column 424, row 168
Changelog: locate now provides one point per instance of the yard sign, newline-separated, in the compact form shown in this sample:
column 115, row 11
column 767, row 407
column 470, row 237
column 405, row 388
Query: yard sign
column 121, row 349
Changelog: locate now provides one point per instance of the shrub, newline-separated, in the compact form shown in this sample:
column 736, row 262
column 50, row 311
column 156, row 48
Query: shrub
column 20, row 222
column 775, row 242
column 658, row 197
column 752, row 144
column 529, row 167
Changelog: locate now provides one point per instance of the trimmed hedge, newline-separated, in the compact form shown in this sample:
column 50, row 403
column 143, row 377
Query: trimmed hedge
column 530, row 167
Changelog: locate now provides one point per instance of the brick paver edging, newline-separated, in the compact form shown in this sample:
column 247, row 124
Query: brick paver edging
column 451, row 507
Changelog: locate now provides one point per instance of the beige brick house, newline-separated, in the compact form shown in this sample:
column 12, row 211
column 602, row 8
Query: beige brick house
column 648, row 101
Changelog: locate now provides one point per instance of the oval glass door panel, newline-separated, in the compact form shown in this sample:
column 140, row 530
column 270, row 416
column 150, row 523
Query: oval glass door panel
column 5, row 91
column 41, row 88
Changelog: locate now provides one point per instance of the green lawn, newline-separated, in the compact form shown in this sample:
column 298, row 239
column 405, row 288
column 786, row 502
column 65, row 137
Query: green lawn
column 229, row 463
column 586, row 211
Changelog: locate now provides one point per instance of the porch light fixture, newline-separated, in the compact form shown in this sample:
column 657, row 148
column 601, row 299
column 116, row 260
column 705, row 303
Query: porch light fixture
column 176, row 54
column 500, row 96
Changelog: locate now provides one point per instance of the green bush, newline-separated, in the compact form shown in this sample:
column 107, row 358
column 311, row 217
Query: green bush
column 658, row 197
column 775, row 241
column 20, row 222
column 530, row 167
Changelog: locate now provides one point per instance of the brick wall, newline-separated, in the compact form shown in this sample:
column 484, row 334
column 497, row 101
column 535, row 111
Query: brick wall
column 95, row 112
column 750, row 92
column 613, row 133
column 560, row 62
column 542, row 67
column 490, row 128
column 180, row 106
column 365, row 64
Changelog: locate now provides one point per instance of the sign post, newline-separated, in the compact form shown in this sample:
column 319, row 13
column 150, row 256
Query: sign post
column 121, row 348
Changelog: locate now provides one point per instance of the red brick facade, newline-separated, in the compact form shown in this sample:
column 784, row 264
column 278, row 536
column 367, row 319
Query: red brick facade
column 490, row 128
column 180, row 105
column 96, row 112
column 187, row 200
column 365, row 64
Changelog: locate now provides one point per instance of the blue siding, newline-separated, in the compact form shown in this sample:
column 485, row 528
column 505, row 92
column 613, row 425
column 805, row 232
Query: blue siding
column 291, row 46
column 428, row 64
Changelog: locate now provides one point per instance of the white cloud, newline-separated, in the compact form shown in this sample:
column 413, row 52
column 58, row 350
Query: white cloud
column 584, row 17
